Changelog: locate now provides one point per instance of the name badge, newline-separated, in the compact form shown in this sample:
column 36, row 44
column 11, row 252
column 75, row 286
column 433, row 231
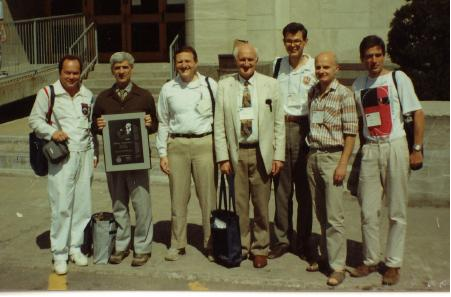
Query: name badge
column 246, row 113
column 318, row 117
column 373, row 119
column 294, row 100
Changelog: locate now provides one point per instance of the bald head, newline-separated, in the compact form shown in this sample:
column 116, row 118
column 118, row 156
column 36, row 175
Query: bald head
column 326, row 68
column 246, row 58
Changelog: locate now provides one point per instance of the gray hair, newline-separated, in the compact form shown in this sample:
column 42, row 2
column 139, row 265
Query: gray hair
column 236, row 49
column 119, row 57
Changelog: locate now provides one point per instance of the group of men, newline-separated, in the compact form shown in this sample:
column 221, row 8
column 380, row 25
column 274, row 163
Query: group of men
column 297, row 130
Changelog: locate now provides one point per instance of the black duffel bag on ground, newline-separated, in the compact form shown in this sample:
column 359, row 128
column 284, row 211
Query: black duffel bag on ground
column 225, row 228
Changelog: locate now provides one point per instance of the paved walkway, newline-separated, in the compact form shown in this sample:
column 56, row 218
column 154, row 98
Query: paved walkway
column 24, row 242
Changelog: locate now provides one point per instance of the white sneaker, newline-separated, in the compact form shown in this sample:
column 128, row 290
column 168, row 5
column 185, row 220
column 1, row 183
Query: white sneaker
column 60, row 266
column 79, row 259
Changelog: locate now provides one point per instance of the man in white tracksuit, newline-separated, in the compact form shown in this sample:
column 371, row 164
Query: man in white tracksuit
column 69, row 182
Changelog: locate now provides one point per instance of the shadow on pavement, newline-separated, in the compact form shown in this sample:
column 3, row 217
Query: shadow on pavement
column 162, row 234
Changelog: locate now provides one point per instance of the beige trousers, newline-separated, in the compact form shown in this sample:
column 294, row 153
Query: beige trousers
column 384, row 171
column 252, row 183
column 191, row 157
column 328, row 201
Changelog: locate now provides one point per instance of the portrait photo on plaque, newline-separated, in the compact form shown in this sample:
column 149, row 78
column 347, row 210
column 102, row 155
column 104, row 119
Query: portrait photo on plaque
column 125, row 142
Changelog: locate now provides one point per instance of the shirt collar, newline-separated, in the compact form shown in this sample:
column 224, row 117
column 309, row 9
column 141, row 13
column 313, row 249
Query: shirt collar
column 59, row 89
column 200, row 81
column 128, row 88
column 333, row 87
column 250, row 80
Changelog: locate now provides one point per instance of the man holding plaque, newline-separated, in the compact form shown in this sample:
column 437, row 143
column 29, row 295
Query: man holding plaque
column 126, row 97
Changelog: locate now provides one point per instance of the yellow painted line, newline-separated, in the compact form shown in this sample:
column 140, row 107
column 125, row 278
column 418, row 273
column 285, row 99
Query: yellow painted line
column 57, row 282
column 196, row 286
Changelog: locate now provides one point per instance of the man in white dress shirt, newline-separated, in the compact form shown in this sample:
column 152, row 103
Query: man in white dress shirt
column 185, row 145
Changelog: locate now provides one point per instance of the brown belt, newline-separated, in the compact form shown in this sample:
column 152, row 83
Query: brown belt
column 331, row 149
column 174, row 135
column 296, row 119
column 248, row 145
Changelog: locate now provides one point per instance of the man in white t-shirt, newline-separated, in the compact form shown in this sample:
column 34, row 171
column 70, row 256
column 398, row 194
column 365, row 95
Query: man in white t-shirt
column 383, row 98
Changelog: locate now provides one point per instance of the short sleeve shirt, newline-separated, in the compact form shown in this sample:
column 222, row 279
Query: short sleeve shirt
column 295, row 85
column 379, row 104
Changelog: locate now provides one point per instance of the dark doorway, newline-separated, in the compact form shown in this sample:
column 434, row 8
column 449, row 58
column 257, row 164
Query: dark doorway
column 144, row 28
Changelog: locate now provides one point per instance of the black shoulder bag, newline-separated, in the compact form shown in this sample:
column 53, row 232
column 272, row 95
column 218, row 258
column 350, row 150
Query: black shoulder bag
column 38, row 161
column 409, row 124
column 225, row 228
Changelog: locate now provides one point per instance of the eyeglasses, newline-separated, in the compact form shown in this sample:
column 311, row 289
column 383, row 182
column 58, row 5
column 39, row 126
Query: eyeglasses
column 294, row 42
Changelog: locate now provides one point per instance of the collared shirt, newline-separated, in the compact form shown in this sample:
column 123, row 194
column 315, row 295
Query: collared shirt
column 331, row 116
column 254, row 103
column 72, row 115
column 184, row 108
column 295, row 84
column 127, row 89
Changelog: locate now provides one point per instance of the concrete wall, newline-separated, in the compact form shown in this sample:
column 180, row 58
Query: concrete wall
column 339, row 25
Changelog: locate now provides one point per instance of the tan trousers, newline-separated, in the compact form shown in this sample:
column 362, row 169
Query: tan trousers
column 328, row 201
column 252, row 182
column 191, row 157
column 384, row 170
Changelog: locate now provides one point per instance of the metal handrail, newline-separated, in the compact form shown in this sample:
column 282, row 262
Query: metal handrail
column 173, row 47
column 49, row 18
column 39, row 42
column 87, row 42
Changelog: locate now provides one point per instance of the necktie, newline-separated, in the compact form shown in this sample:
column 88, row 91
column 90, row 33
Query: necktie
column 122, row 93
column 246, row 125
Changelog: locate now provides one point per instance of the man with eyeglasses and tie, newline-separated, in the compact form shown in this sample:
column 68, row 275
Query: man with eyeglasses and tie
column 249, row 134
column 296, row 75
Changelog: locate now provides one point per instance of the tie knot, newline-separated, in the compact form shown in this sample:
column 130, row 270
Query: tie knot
column 246, row 83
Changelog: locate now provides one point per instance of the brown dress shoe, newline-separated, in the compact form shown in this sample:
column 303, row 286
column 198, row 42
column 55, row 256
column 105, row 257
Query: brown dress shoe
column 260, row 261
column 391, row 276
column 117, row 257
column 140, row 259
column 363, row 270
column 278, row 251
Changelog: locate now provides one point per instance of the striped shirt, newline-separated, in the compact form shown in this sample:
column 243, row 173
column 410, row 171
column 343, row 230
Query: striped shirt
column 331, row 115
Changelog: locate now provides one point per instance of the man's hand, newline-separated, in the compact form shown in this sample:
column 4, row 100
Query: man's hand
column 225, row 167
column 59, row 136
column 101, row 123
column 147, row 120
column 416, row 159
column 276, row 167
column 339, row 174
column 95, row 162
column 164, row 165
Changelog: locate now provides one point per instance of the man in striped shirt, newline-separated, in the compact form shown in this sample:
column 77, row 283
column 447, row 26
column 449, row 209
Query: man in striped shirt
column 333, row 128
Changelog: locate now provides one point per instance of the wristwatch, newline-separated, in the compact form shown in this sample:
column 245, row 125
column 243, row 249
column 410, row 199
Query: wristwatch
column 417, row 147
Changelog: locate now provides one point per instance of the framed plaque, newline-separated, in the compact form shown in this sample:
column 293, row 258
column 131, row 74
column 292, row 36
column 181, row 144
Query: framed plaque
column 125, row 142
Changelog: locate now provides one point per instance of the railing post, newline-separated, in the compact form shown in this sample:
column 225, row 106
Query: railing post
column 35, row 44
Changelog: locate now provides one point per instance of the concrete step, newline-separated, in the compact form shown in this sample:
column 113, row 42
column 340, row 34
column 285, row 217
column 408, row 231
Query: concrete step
column 150, row 67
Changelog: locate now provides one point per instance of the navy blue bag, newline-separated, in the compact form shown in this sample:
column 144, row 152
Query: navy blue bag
column 225, row 228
